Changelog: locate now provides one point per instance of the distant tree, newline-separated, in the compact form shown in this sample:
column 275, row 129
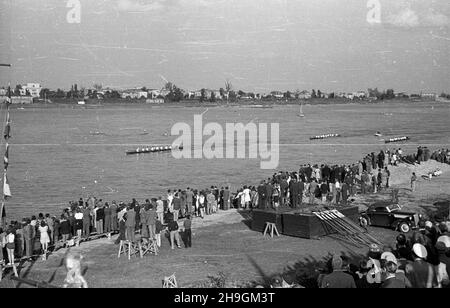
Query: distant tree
column 390, row 94
column 228, row 89
column 251, row 95
column 144, row 89
column 222, row 92
column 319, row 94
column 75, row 91
column 98, row 86
column 232, row 96
column 175, row 95
column 169, row 86
column 202, row 95
column 60, row 93
column 374, row 93
column 287, row 94
column 17, row 90
column 45, row 92
column 331, row 95
column 27, row 92
column 313, row 94
column 213, row 97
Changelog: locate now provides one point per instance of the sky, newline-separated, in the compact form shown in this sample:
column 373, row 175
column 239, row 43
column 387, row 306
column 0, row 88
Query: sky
column 258, row 45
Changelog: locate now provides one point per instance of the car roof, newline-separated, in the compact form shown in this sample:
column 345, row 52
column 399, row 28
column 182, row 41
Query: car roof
column 382, row 204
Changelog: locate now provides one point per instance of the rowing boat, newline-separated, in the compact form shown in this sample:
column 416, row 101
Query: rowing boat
column 153, row 149
column 397, row 139
column 324, row 136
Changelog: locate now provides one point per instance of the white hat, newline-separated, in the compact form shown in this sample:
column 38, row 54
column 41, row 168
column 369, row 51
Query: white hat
column 428, row 224
column 420, row 251
column 444, row 239
column 389, row 257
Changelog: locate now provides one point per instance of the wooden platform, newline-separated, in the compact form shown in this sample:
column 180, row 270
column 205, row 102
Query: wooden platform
column 298, row 223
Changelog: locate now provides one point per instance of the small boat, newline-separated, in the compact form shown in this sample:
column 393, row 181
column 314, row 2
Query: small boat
column 97, row 133
column 378, row 134
column 301, row 115
column 153, row 149
column 396, row 139
column 324, row 136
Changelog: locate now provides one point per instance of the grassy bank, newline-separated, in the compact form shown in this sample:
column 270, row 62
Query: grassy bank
column 61, row 102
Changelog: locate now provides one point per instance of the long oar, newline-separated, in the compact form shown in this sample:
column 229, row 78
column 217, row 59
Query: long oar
column 349, row 232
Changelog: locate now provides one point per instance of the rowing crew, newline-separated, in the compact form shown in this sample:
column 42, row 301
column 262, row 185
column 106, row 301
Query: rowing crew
column 325, row 136
column 397, row 139
column 154, row 149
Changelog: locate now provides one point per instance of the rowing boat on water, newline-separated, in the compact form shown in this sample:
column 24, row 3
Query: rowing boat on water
column 324, row 136
column 397, row 139
column 153, row 149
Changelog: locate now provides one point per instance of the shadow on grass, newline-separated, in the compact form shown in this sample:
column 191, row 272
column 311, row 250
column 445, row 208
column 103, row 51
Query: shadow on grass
column 306, row 272
column 246, row 217
column 440, row 212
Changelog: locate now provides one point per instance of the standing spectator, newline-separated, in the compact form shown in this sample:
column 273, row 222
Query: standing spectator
column 176, row 206
column 443, row 269
column 19, row 242
column 337, row 279
column 189, row 200
column 49, row 222
column 187, row 224
column 174, row 234
column 72, row 222
column 391, row 280
column 79, row 223
column 107, row 219
column 64, row 229
column 145, row 215
column 158, row 229
column 121, row 216
column 160, row 209
column 226, row 199
column 152, row 220
column 99, row 216
column 421, row 273
column 28, row 236
column 210, row 198
column 114, row 220
column 201, row 204
column 44, row 238
column 56, row 229
column 387, row 175
column 413, row 182
column 262, row 195
column 2, row 245
column 86, row 222
column 130, row 224
column 10, row 245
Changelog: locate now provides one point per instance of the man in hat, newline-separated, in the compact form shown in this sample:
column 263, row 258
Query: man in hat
column 338, row 278
column 421, row 273
column 262, row 195
column 443, row 269
column 393, row 271
column 391, row 281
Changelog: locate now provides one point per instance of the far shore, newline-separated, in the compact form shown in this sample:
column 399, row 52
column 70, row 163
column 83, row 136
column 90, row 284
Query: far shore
column 97, row 103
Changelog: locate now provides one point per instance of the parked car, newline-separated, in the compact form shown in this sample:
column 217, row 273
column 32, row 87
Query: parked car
column 390, row 215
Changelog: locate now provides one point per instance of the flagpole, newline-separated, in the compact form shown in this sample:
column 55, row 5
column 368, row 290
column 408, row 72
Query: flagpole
column 6, row 135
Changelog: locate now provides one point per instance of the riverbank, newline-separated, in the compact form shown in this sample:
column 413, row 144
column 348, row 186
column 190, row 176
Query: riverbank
column 96, row 103
column 223, row 244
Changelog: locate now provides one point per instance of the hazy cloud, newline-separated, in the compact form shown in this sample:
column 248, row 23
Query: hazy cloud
column 138, row 6
column 406, row 18
column 436, row 20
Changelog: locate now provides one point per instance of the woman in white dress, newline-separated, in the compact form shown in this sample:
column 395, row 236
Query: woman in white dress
column 45, row 239
column 246, row 197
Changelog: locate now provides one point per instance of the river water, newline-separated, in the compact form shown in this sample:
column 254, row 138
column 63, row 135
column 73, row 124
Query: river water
column 55, row 158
